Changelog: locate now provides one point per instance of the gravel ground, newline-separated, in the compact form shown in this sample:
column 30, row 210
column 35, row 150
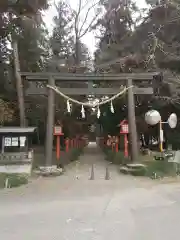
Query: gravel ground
column 71, row 207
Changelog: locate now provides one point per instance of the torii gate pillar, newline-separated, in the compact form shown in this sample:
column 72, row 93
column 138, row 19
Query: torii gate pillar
column 132, row 122
column 50, row 124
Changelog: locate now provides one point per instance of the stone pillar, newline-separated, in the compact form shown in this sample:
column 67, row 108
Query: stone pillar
column 50, row 124
column 132, row 122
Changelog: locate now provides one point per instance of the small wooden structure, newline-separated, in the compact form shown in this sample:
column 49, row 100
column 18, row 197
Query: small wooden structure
column 16, row 155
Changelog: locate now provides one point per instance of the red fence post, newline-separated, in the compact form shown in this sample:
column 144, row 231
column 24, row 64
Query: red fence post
column 72, row 143
column 125, row 146
column 67, row 145
column 117, row 147
column 58, row 147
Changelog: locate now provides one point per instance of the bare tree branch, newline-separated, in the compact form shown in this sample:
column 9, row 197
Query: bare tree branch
column 55, row 5
column 89, row 26
column 77, row 17
column 85, row 4
column 85, row 19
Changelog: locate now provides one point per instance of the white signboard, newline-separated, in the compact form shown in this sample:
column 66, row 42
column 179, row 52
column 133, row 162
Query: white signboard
column 7, row 142
column 172, row 120
column 15, row 142
column 57, row 130
column 125, row 128
column 22, row 141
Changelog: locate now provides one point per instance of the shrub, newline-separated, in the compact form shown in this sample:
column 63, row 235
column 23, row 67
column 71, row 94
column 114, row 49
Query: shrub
column 119, row 158
column 116, row 157
column 75, row 153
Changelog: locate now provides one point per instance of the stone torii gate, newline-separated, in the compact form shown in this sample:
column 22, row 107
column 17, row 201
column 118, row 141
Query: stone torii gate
column 145, row 84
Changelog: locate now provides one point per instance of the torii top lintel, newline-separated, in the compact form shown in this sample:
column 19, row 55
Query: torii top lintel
column 43, row 76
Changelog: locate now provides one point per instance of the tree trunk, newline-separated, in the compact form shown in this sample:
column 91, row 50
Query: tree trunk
column 77, row 58
column 19, row 85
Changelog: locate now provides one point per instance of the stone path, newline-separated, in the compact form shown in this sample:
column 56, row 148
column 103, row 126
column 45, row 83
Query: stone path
column 71, row 208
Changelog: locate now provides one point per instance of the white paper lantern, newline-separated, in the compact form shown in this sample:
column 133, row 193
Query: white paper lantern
column 172, row 120
column 152, row 117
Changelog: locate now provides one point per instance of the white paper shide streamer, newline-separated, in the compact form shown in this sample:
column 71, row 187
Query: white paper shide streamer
column 83, row 112
column 112, row 107
column 98, row 112
column 68, row 106
column 89, row 104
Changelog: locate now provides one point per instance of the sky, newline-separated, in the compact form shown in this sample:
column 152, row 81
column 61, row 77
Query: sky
column 89, row 39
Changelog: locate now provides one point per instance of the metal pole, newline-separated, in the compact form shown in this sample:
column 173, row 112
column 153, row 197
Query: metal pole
column 132, row 122
column 160, row 136
column 50, row 123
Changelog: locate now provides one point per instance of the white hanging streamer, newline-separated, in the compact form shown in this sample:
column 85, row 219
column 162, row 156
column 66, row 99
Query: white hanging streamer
column 98, row 112
column 112, row 107
column 68, row 106
column 82, row 112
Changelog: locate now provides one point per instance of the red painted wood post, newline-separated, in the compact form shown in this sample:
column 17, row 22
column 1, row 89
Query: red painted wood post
column 67, row 145
column 81, row 143
column 58, row 147
column 75, row 143
column 58, row 132
column 117, row 150
column 124, row 129
column 72, row 143
column 125, row 146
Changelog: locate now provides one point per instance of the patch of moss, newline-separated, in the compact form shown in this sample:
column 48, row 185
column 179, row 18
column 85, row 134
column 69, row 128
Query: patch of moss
column 160, row 168
column 13, row 180
column 152, row 169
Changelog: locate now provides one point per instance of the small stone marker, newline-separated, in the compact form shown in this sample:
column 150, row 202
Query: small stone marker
column 107, row 175
column 175, row 157
column 92, row 173
column 176, row 160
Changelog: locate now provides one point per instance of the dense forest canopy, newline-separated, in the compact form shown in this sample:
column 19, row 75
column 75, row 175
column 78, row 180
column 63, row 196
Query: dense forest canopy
column 130, row 39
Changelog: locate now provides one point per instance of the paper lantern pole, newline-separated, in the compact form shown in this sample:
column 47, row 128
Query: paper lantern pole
column 153, row 117
column 161, row 136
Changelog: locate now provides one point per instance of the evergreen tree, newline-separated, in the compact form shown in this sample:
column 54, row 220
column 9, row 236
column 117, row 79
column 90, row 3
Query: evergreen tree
column 19, row 21
column 63, row 40
column 116, row 27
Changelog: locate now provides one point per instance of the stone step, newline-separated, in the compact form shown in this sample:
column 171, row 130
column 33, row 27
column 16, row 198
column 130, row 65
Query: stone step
column 132, row 168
